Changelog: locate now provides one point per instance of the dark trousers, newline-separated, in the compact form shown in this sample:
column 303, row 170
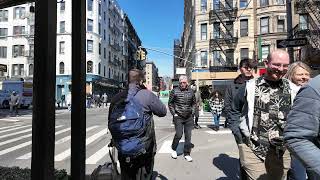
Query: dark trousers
column 181, row 125
column 140, row 168
column 14, row 109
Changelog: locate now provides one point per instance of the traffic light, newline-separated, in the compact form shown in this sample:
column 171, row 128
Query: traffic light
column 138, row 55
column 142, row 55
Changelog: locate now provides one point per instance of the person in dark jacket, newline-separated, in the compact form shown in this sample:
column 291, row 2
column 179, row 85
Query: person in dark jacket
column 140, row 168
column 246, row 67
column 14, row 103
column 182, row 102
column 301, row 133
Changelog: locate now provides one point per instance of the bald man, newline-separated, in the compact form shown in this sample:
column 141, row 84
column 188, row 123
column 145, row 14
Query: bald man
column 261, row 107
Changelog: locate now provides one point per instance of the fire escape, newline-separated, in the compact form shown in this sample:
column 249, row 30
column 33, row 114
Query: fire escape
column 311, row 29
column 224, row 41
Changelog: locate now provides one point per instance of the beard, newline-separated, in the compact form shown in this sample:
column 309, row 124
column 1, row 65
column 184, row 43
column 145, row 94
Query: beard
column 275, row 74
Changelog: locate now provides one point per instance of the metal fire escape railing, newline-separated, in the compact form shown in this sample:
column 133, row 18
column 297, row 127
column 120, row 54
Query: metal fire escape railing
column 312, row 32
column 223, row 13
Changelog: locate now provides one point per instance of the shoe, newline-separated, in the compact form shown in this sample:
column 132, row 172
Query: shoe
column 195, row 127
column 188, row 158
column 174, row 154
column 199, row 127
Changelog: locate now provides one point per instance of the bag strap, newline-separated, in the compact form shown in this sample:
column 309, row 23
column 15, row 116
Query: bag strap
column 110, row 145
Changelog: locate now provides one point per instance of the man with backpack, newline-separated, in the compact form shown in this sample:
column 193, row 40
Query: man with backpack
column 132, row 127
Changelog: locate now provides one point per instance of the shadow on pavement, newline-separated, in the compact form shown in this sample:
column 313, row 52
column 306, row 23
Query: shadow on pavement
column 157, row 176
column 229, row 166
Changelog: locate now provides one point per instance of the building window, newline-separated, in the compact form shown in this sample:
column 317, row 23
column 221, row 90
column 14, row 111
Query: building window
column 280, row 2
column 104, row 53
column 19, row 12
column 204, row 58
column 61, row 47
column 303, row 21
column 265, row 49
column 216, row 4
column 99, row 68
column 3, row 32
column 31, row 50
column 216, row 30
column 89, row 45
column 104, row 16
column 104, row 71
column 99, row 29
column 61, row 67
column 109, row 73
column 89, row 25
column 99, row 9
column 89, row 5
column 264, row 25
column 229, row 28
column 89, row 67
column 31, row 29
column 280, row 26
column 3, row 52
column 104, row 34
column 216, row 55
column 203, row 6
column 18, row 30
column 230, row 57
column 30, row 69
column 62, row 27
column 229, row 4
column 244, row 53
column 18, row 50
column 244, row 27
column 204, row 31
column 62, row 6
column 243, row 3
column 3, row 15
column 99, row 48
column 17, row 69
column 264, row 3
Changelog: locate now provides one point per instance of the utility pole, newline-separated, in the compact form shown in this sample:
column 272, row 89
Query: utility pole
column 289, row 26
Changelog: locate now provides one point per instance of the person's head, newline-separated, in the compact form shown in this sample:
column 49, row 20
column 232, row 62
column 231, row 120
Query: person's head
column 246, row 67
column 298, row 73
column 216, row 94
column 183, row 81
column 14, row 92
column 136, row 76
column 277, row 65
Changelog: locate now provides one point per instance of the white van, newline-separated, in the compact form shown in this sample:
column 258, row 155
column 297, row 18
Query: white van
column 23, row 88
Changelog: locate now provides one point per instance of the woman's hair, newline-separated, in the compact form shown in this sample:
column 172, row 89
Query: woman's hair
column 213, row 94
column 293, row 68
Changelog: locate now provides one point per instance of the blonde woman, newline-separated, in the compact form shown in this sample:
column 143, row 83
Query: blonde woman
column 298, row 73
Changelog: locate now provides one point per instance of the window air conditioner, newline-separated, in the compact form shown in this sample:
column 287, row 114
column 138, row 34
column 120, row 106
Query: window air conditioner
column 281, row 17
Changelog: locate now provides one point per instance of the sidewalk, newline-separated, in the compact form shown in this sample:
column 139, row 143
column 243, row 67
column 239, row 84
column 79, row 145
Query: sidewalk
column 215, row 156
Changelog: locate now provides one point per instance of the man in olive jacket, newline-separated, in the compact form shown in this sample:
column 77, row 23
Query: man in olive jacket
column 182, row 102
column 301, row 133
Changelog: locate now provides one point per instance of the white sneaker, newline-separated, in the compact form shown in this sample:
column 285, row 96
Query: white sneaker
column 188, row 158
column 174, row 154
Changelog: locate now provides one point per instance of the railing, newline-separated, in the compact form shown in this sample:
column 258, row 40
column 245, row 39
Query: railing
column 222, row 12
column 313, row 8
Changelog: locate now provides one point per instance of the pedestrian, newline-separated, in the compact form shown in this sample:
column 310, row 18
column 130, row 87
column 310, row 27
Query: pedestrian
column 216, row 103
column 89, row 100
column 14, row 103
column 63, row 100
column 197, row 107
column 139, row 167
column 104, row 100
column 246, row 67
column 182, row 102
column 261, row 106
column 301, row 133
column 299, row 74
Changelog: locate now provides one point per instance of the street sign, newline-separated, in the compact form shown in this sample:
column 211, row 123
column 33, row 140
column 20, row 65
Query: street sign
column 284, row 43
column 3, row 67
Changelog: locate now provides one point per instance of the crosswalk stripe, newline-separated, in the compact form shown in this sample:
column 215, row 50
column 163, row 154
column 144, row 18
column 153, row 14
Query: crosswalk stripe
column 67, row 138
column 219, row 132
column 9, row 120
column 19, row 138
column 20, row 132
column 166, row 146
column 16, row 128
column 5, row 151
column 28, row 155
column 89, row 140
column 93, row 159
column 7, row 127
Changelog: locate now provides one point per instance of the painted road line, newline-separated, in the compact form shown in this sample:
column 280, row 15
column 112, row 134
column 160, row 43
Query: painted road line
column 67, row 138
column 66, row 153
column 93, row 159
column 166, row 147
column 7, row 127
column 219, row 132
column 9, row 120
column 7, row 130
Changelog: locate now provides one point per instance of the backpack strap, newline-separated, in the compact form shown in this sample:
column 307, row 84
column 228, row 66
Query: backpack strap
column 110, row 145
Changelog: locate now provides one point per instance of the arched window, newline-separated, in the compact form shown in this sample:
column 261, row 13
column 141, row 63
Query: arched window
column 121, row 76
column 109, row 73
column 89, row 67
column 99, row 68
column 61, row 68
column 30, row 69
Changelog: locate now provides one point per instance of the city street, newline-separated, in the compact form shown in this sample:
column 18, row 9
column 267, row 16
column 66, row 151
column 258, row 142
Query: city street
column 214, row 154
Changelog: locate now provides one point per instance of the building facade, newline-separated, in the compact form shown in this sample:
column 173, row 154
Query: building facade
column 108, row 32
column 152, row 76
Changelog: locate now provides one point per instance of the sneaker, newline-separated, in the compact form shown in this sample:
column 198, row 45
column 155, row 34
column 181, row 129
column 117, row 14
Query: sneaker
column 188, row 158
column 174, row 154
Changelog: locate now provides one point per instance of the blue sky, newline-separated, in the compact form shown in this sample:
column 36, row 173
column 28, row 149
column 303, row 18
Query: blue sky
column 158, row 23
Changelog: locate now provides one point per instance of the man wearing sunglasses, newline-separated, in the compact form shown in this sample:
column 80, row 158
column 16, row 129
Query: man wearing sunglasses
column 182, row 102
column 258, row 114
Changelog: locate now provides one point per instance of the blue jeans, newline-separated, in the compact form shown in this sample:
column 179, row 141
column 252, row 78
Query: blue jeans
column 298, row 171
column 216, row 120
